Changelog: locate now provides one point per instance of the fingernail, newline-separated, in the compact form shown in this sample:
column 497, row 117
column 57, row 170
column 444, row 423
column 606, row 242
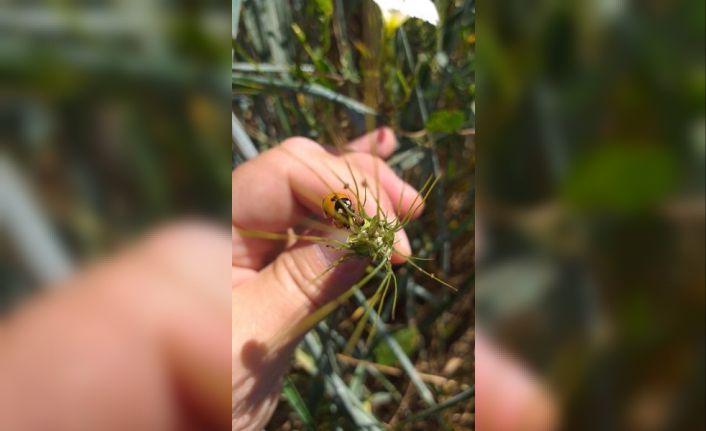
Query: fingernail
column 381, row 135
column 402, row 247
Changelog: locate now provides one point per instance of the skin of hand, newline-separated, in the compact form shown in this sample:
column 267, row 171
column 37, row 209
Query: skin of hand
column 138, row 341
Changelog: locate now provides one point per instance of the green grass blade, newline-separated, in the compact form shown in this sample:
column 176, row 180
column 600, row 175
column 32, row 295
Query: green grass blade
column 405, row 362
column 311, row 89
column 458, row 398
column 295, row 400
column 335, row 384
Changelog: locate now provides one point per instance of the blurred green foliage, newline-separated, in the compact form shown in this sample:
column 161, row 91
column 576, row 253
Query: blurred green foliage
column 591, row 116
column 114, row 114
column 621, row 178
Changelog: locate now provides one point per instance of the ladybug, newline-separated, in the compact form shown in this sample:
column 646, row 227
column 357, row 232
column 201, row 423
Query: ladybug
column 339, row 208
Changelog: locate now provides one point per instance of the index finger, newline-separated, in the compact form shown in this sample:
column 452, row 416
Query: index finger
column 380, row 143
column 283, row 186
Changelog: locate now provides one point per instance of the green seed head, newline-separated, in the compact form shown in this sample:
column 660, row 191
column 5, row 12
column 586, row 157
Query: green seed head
column 374, row 238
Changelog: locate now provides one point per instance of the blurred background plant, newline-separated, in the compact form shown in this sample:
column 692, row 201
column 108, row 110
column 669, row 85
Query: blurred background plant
column 332, row 70
column 111, row 121
column 591, row 204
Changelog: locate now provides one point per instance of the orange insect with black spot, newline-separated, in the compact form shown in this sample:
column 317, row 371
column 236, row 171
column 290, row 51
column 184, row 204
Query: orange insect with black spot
column 338, row 207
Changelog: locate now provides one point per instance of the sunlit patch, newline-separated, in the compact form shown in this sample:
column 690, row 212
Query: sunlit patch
column 396, row 12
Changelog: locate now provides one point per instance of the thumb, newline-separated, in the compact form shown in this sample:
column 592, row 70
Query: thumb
column 302, row 279
column 269, row 305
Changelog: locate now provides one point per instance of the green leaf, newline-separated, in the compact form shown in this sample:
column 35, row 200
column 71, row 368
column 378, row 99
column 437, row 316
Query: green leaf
column 445, row 121
column 295, row 400
column 407, row 338
column 326, row 7
column 622, row 178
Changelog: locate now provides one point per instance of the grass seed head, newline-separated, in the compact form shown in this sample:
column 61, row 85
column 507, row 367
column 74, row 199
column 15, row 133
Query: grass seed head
column 374, row 238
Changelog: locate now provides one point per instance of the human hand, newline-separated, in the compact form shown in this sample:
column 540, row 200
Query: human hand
column 136, row 342
column 273, row 289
